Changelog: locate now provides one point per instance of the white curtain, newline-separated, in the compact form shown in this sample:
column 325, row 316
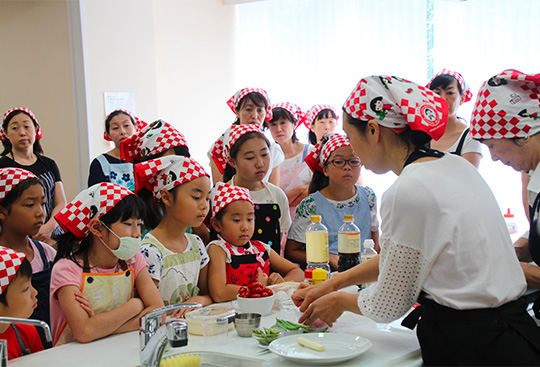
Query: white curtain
column 315, row 51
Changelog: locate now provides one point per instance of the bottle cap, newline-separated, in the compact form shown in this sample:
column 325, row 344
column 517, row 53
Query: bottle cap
column 348, row 218
column 308, row 273
column 319, row 274
column 369, row 243
column 316, row 218
column 509, row 214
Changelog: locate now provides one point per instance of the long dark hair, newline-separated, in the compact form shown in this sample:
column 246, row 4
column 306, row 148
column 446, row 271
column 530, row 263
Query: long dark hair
column 416, row 138
column 318, row 181
column 68, row 245
column 230, row 171
column 279, row 113
column 324, row 114
column 37, row 149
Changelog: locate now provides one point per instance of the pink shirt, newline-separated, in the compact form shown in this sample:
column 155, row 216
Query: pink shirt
column 37, row 264
column 65, row 272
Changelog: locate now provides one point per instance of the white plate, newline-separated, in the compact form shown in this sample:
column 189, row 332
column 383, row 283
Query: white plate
column 339, row 348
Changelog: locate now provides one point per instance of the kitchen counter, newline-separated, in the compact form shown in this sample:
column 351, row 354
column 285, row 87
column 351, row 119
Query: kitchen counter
column 392, row 345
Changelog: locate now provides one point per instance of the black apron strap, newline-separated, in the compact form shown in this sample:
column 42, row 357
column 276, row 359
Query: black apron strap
column 24, row 350
column 461, row 142
column 422, row 152
column 534, row 237
column 412, row 319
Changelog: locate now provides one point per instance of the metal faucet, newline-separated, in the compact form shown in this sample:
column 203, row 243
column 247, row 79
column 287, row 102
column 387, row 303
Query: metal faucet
column 154, row 336
column 15, row 320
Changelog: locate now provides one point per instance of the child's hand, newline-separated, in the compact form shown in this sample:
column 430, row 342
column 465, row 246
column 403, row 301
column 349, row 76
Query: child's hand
column 275, row 278
column 179, row 314
column 262, row 277
column 84, row 302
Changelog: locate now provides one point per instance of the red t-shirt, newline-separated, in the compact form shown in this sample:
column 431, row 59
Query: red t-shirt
column 29, row 336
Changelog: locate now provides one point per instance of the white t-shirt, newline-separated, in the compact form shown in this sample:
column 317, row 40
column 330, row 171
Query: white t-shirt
column 469, row 145
column 442, row 232
column 273, row 194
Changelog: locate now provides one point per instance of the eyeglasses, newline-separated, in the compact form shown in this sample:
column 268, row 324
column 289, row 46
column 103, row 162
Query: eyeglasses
column 355, row 162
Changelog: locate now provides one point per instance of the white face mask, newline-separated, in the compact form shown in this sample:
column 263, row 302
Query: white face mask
column 128, row 246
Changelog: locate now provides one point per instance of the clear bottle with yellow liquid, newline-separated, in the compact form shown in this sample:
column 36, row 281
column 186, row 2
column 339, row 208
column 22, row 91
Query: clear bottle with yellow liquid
column 317, row 250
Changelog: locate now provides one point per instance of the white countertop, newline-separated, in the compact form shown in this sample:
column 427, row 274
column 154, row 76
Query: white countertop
column 392, row 345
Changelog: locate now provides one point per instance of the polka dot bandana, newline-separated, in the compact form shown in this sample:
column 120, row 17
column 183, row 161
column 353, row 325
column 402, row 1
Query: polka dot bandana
column 320, row 154
column 166, row 173
column 11, row 177
column 10, row 262
column 223, row 145
column 295, row 111
column 507, row 106
column 314, row 111
column 138, row 122
column 234, row 101
column 398, row 104
column 464, row 86
column 91, row 203
column 223, row 194
column 155, row 138
column 3, row 134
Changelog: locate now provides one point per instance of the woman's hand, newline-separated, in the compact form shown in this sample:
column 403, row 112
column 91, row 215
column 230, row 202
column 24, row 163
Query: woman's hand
column 328, row 308
column 304, row 295
column 84, row 302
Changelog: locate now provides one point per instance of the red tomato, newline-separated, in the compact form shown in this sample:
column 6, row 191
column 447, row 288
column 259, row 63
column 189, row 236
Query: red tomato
column 256, row 290
column 270, row 292
column 255, row 295
column 254, row 284
column 264, row 294
column 243, row 288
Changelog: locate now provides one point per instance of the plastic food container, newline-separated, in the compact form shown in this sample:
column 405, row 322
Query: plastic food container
column 205, row 320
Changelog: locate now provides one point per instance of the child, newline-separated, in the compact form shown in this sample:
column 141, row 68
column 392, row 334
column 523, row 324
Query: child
column 17, row 299
column 321, row 119
column 98, row 256
column 21, row 216
column 154, row 141
column 295, row 175
column 251, row 106
column 109, row 167
column 333, row 193
column 457, row 139
column 21, row 135
column 246, row 153
column 177, row 261
column 234, row 259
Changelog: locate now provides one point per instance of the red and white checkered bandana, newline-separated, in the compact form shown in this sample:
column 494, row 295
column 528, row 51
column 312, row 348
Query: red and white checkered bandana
column 223, row 145
column 11, row 177
column 91, row 203
column 3, row 134
column 139, row 124
column 507, row 106
column 320, row 154
column 295, row 111
column 10, row 262
column 166, row 173
column 314, row 111
column 222, row 194
column 237, row 97
column 155, row 138
column 398, row 104
column 464, row 86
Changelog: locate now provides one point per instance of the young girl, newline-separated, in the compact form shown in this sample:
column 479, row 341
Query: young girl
column 321, row 119
column 100, row 283
column 177, row 261
column 109, row 167
column 333, row 193
column 457, row 139
column 21, row 135
column 251, row 106
column 295, row 175
column 246, row 153
column 234, row 259
column 22, row 214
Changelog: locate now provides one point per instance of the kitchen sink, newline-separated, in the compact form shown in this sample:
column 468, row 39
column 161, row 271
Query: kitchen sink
column 222, row 359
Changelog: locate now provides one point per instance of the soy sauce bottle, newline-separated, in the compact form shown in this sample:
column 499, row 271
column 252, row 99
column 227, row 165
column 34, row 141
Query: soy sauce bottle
column 348, row 244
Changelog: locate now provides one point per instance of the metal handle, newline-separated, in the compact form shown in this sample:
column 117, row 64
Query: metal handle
column 3, row 353
column 40, row 323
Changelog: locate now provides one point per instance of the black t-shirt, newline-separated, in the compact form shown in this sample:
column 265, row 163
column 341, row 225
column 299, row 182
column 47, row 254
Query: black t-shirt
column 46, row 169
column 96, row 174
